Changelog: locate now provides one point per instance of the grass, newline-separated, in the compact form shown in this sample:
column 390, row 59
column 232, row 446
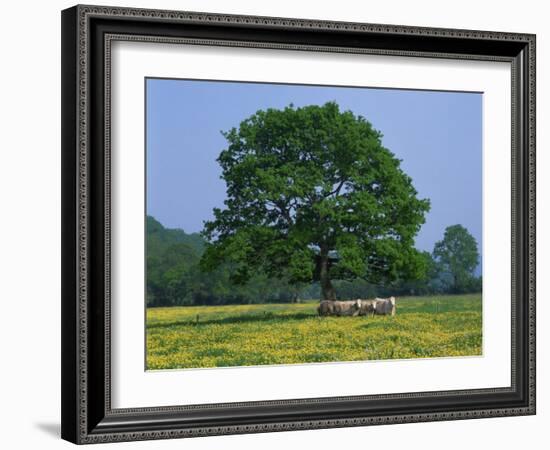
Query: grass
column 245, row 335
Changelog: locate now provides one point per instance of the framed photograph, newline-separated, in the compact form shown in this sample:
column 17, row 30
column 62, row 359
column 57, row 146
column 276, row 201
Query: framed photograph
column 278, row 224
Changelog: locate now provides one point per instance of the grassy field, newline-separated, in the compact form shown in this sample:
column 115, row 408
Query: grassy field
column 245, row 335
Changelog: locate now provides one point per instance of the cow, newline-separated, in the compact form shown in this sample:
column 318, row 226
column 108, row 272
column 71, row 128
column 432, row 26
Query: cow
column 339, row 308
column 367, row 307
column 326, row 308
column 385, row 306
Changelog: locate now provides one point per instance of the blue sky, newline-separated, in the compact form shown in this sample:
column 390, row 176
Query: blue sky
column 437, row 135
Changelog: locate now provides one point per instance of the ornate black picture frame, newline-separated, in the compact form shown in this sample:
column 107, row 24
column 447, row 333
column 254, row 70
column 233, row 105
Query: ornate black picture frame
column 87, row 415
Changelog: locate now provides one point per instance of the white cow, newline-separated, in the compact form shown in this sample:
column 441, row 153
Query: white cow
column 367, row 307
column 385, row 306
column 339, row 308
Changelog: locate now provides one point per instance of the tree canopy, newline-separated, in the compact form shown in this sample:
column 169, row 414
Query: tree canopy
column 312, row 194
column 457, row 256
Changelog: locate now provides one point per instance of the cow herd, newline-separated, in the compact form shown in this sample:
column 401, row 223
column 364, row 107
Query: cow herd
column 378, row 306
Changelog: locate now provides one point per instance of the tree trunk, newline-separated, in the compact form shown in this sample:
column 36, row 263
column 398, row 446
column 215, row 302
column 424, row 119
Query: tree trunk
column 455, row 284
column 327, row 290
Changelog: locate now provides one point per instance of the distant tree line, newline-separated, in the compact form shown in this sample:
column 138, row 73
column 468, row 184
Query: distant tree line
column 175, row 277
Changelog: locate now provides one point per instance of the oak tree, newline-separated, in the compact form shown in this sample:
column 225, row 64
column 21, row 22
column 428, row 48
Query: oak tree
column 313, row 195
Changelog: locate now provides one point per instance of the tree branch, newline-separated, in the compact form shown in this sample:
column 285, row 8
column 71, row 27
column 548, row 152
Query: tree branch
column 337, row 190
